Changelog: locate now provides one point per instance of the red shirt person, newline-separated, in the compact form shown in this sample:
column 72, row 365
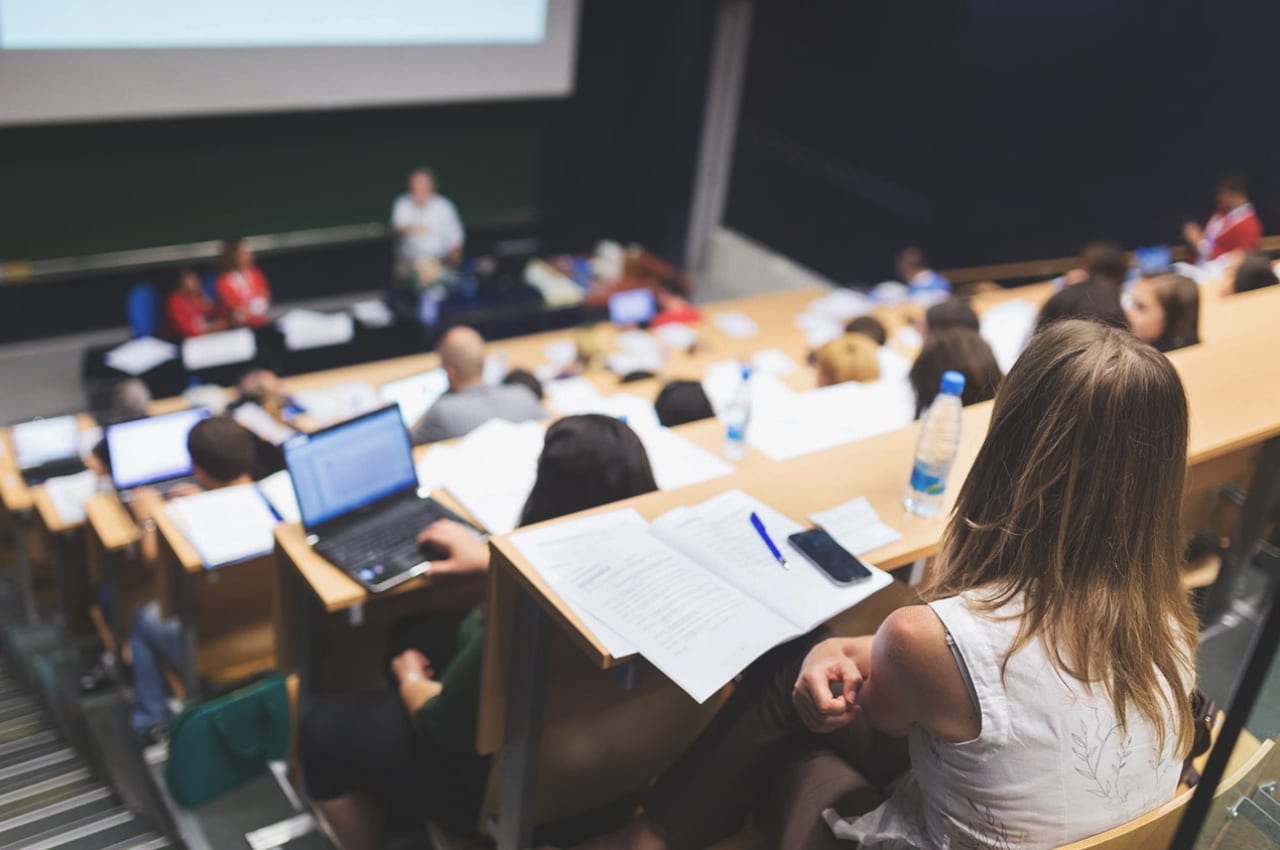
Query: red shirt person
column 188, row 311
column 242, row 287
column 1234, row 226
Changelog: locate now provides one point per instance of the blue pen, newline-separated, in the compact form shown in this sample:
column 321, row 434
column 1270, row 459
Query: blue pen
column 768, row 541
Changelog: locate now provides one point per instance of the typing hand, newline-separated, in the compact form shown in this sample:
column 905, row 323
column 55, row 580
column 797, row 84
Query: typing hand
column 464, row 551
column 826, row 692
column 411, row 665
column 146, row 503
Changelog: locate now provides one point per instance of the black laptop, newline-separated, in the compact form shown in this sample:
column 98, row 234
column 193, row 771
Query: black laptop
column 47, row 448
column 358, row 496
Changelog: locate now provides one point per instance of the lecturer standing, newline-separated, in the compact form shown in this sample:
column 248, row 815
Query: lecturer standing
column 426, row 223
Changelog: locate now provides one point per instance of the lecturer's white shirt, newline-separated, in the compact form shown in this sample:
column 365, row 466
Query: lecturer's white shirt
column 443, row 227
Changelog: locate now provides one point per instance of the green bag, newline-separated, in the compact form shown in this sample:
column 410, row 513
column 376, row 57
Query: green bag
column 218, row 744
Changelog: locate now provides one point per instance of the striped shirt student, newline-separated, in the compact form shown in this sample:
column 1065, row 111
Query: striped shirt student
column 469, row 402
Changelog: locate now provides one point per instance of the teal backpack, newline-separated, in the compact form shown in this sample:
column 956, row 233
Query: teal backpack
column 217, row 744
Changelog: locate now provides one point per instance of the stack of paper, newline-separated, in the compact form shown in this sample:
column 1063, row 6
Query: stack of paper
column 561, row 353
column 676, row 336
column 252, row 416
column 70, row 493
column 141, row 355
column 677, row 462
column 773, row 361
column 278, row 490
column 373, row 313
column 736, row 325
column 818, row 329
column 305, row 329
column 697, row 592
column 226, row 525
column 493, row 470
column 637, row 352
column 557, row 288
column 570, row 396
column 841, row 305
column 829, row 417
column 1007, row 327
column 338, row 403
column 220, row 349
column 856, row 526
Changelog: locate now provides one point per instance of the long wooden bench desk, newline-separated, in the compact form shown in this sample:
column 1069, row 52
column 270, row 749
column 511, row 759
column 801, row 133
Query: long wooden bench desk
column 1231, row 383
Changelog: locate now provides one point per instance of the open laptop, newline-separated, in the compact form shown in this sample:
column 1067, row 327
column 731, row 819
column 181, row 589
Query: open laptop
column 416, row 394
column 152, row 452
column 632, row 307
column 358, row 496
column 47, row 448
column 1157, row 259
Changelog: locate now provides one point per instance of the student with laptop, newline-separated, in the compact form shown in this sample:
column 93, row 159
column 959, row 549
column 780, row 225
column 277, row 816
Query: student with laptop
column 470, row 402
column 222, row 455
column 409, row 754
column 1042, row 695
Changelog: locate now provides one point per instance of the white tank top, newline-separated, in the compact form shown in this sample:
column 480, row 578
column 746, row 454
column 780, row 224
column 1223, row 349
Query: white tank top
column 1050, row 766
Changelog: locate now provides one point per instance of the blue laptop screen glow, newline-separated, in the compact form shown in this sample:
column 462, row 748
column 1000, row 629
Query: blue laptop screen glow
column 351, row 465
column 632, row 307
column 151, row 450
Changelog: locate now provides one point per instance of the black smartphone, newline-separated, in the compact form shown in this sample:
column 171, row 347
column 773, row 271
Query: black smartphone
column 821, row 550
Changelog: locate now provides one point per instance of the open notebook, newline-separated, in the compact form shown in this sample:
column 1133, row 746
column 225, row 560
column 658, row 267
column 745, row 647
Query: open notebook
column 696, row 591
column 227, row 525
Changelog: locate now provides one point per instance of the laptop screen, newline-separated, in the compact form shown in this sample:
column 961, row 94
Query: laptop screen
column 1153, row 261
column 44, row 441
column 351, row 465
column 415, row 395
column 633, row 307
column 147, row 451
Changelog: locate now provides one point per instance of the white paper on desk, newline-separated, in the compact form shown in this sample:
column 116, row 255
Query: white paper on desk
column 373, row 313
column 676, row 336
column 278, row 490
column 819, row 329
column 306, row 329
column 70, row 493
column 622, row 363
column 773, row 361
column 252, row 416
column 856, row 526
column 339, row 402
column 226, row 525
column 494, row 470
column 495, row 368
column 736, row 325
column 694, row 627
column 435, row 465
column 219, row 349
column 632, row 409
column 1007, row 327
column 677, row 462
column 718, row 535
column 908, row 337
column 141, row 355
column 828, row 417
column 841, row 305
column 721, row 381
column 894, row 367
column 561, row 352
column 573, row 395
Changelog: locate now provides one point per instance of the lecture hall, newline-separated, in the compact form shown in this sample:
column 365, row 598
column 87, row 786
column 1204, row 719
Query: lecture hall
column 639, row 425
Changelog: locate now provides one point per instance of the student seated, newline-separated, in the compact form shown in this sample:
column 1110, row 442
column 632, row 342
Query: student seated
column 868, row 326
column 222, row 454
column 682, row 401
column 242, row 287
column 1043, row 690
column 1104, row 261
column 410, row 753
column 959, row 349
column 852, row 357
column 469, row 403
column 914, row 271
column 188, row 311
column 952, row 313
column 1254, row 272
column 1093, row 299
column 1165, row 311
column 1234, row 225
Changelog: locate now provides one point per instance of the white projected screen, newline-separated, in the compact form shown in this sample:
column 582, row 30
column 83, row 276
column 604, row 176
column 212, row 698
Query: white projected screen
column 68, row 60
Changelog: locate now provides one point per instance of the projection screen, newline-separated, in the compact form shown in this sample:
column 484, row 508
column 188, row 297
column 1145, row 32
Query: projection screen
column 88, row 60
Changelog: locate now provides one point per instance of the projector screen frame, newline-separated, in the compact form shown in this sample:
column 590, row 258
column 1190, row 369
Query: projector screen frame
column 84, row 86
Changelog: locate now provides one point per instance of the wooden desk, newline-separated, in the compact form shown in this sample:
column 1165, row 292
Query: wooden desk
column 111, row 538
column 1230, row 383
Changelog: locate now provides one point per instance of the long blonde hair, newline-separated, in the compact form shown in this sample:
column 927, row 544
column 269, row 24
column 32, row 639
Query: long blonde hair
column 1073, row 506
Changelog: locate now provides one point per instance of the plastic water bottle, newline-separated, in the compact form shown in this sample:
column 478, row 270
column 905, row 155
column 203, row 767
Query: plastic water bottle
column 737, row 414
column 936, row 448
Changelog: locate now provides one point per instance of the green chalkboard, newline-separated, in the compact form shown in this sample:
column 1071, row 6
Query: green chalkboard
column 77, row 189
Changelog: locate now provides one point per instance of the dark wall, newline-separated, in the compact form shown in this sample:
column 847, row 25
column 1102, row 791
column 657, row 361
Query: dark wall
column 997, row 130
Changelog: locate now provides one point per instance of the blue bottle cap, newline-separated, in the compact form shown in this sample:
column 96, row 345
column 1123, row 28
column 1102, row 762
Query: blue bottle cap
column 952, row 382
column 746, row 371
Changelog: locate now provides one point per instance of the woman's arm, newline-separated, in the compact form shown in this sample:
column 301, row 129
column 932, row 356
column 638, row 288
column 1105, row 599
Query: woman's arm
column 413, row 671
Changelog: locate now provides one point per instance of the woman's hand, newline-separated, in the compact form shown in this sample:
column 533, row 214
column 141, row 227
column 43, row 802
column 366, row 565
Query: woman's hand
column 464, row 551
column 826, row 692
column 411, row 665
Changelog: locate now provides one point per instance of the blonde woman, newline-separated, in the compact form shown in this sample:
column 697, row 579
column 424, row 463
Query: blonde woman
column 1043, row 691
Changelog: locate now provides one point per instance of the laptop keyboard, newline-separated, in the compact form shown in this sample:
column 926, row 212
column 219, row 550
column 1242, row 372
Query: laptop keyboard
column 392, row 537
